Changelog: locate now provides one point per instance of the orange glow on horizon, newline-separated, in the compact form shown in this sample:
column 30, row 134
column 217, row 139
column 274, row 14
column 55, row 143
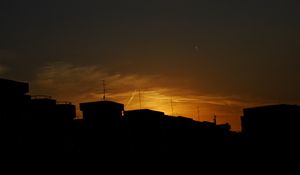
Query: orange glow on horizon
column 191, row 107
column 67, row 82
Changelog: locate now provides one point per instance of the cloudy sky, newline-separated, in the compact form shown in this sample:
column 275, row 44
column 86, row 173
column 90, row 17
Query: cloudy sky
column 198, row 55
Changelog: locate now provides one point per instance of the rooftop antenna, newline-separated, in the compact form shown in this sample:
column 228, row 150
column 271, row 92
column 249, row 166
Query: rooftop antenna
column 198, row 116
column 104, row 90
column 215, row 119
column 172, row 106
column 140, row 98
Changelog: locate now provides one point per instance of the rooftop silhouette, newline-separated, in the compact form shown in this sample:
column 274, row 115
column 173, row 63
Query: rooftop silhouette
column 41, row 124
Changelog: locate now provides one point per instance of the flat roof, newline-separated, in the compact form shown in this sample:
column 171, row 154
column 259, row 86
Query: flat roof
column 100, row 105
column 11, row 87
column 143, row 111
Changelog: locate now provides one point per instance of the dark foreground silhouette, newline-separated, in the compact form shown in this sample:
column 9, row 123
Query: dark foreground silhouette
column 39, row 125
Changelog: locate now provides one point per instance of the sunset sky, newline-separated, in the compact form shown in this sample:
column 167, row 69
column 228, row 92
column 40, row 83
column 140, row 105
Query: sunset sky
column 211, row 56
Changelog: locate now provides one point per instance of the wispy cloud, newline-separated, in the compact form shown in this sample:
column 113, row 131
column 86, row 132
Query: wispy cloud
column 84, row 83
column 131, row 98
column 78, row 84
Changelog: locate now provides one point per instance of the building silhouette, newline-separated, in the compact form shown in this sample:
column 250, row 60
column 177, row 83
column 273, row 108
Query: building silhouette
column 43, row 108
column 144, row 130
column 40, row 124
column 65, row 111
column 102, row 111
column 14, row 100
column 271, row 124
column 144, row 117
column 14, row 105
column 101, row 127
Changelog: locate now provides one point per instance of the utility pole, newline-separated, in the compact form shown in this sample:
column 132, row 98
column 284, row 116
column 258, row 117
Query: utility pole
column 104, row 90
column 198, row 113
column 172, row 107
column 215, row 119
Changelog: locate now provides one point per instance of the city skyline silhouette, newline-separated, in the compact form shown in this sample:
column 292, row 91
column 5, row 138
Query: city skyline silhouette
column 35, row 129
column 29, row 116
column 204, row 81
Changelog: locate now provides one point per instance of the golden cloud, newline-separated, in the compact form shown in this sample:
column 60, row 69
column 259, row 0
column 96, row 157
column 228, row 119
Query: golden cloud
column 67, row 82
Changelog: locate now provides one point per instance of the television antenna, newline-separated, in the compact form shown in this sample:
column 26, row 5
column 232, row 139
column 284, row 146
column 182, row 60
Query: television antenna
column 215, row 119
column 104, row 89
column 172, row 109
column 198, row 113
